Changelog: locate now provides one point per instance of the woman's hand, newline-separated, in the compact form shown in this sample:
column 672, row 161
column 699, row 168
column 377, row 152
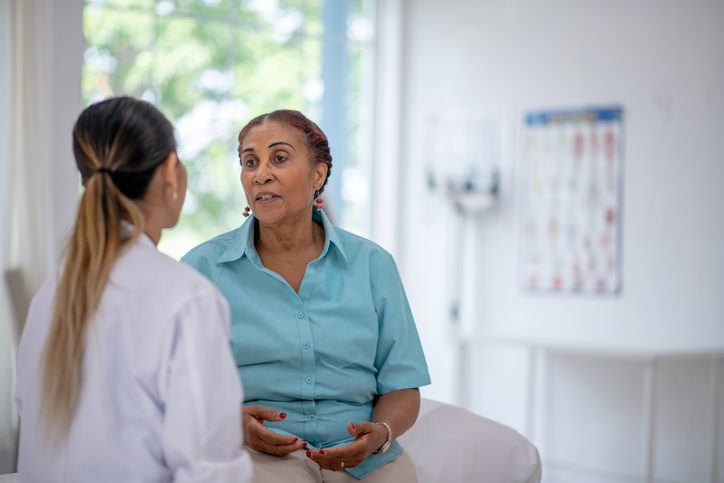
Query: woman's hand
column 264, row 439
column 399, row 409
column 368, row 438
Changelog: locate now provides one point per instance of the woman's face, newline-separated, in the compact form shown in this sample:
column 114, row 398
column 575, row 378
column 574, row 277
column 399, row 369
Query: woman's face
column 277, row 174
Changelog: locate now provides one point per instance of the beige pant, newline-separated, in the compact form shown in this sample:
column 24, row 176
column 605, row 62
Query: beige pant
column 297, row 467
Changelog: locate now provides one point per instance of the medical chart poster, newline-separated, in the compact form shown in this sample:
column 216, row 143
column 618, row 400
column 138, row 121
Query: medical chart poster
column 572, row 192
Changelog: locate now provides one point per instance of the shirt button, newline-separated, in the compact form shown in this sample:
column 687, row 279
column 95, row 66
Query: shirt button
column 311, row 417
column 309, row 380
column 301, row 315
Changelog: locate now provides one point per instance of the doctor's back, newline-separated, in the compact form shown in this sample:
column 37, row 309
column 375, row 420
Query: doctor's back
column 124, row 368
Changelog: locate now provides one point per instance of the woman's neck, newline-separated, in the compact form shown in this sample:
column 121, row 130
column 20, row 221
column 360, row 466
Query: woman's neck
column 152, row 225
column 288, row 236
column 153, row 229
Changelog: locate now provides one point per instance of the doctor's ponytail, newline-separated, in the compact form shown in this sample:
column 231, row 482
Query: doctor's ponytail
column 118, row 144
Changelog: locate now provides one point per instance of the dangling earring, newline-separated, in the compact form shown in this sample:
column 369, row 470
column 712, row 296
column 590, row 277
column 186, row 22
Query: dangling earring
column 318, row 200
column 246, row 212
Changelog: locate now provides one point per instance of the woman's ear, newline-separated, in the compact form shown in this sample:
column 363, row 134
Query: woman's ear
column 168, row 173
column 320, row 174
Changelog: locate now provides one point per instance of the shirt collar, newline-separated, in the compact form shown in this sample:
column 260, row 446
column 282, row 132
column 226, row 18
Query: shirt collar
column 127, row 230
column 331, row 237
column 243, row 242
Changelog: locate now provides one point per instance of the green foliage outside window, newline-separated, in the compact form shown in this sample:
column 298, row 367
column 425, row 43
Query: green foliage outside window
column 210, row 66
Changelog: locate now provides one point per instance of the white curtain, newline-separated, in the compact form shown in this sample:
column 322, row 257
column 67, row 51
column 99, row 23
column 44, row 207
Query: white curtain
column 41, row 49
column 8, row 421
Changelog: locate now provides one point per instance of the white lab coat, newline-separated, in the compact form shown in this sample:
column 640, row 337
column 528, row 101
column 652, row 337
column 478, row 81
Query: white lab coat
column 160, row 395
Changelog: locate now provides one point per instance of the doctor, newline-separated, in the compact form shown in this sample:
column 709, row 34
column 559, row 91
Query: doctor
column 124, row 368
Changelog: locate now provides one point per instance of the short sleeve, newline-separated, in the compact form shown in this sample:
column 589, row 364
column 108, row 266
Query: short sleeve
column 400, row 360
column 202, row 433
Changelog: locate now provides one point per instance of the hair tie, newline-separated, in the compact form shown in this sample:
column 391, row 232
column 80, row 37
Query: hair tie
column 103, row 169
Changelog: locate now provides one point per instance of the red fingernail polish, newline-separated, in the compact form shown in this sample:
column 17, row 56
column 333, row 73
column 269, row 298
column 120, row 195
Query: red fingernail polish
column 295, row 440
column 282, row 415
column 353, row 426
column 309, row 454
column 321, row 451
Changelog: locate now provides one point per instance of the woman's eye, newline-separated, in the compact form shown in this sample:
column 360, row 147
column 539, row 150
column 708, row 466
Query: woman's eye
column 280, row 158
column 249, row 162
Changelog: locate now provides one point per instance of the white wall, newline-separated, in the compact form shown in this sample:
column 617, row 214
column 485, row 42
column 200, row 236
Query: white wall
column 662, row 61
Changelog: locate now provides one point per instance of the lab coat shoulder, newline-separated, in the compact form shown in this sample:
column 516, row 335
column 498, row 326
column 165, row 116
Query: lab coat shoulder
column 145, row 272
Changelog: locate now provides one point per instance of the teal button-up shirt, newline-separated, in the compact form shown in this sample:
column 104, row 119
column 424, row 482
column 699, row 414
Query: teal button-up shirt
column 323, row 354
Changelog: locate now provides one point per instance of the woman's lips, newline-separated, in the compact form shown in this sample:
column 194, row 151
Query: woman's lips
column 266, row 198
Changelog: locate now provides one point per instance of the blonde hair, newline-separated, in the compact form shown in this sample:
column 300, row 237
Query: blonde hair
column 118, row 144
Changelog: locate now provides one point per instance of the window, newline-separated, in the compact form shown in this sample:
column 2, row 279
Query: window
column 212, row 65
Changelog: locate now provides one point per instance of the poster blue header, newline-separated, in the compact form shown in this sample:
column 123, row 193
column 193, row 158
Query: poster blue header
column 575, row 115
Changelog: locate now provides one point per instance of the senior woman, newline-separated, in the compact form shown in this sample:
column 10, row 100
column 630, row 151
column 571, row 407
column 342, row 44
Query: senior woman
column 322, row 332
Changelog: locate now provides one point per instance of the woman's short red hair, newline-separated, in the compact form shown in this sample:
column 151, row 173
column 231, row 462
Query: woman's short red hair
column 316, row 139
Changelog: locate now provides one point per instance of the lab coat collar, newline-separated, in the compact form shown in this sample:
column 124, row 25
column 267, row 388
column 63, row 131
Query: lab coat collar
column 127, row 230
